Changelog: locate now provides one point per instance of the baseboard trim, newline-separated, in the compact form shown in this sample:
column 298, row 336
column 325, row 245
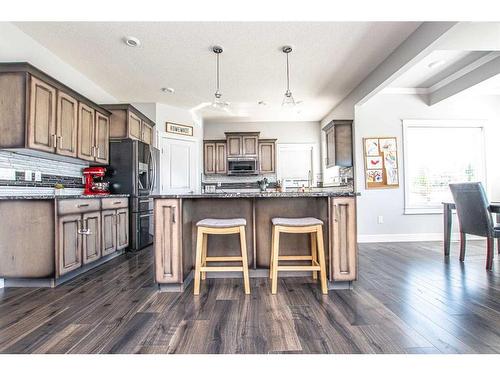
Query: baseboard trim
column 409, row 237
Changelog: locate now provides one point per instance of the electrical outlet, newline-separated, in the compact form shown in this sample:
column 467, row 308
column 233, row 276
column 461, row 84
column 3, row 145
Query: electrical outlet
column 380, row 220
column 28, row 175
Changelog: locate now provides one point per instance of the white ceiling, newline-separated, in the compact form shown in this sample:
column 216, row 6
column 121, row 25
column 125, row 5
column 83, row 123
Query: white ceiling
column 424, row 75
column 328, row 61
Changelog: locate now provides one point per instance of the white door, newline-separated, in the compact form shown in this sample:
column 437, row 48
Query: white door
column 178, row 166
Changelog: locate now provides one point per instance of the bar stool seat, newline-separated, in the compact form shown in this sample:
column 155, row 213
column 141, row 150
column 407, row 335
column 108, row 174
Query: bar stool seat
column 221, row 223
column 296, row 222
column 220, row 226
column 310, row 225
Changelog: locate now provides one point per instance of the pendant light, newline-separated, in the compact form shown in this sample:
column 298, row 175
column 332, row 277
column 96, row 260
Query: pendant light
column 218, row 102
column 288, row 101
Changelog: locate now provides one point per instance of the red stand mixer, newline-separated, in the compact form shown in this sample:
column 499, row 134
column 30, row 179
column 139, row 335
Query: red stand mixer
column 93, row 181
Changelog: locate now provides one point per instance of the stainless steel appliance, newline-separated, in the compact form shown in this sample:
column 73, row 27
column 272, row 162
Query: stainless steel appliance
column 242, row 166
column 134, row 168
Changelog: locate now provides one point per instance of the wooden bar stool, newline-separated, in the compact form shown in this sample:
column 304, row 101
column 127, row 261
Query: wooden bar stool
column 298, row 225
column 220, row 226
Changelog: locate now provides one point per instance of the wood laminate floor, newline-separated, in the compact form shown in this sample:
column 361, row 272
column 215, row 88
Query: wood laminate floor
column 408, row 299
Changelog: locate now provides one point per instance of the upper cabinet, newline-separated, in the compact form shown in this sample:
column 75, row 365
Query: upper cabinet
column 126, row 121
column 39, row 113
column 242, row 144
column 214, row 155
column 339, row 143
column 267, row 155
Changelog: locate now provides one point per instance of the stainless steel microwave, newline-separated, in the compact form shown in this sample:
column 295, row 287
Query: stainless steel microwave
column 242, row 166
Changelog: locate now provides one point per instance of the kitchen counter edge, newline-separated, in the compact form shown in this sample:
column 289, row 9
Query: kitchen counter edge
column 257, row 195
column 59, row 197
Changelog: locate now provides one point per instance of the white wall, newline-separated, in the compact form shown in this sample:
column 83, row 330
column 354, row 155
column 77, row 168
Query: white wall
column 16, row 46
column 381, row 116
column 284, row 132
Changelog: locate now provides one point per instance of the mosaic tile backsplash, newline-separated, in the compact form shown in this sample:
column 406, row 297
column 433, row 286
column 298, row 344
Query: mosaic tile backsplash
column 51, row 172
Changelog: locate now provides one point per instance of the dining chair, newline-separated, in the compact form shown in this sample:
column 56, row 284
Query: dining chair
column 474, row 217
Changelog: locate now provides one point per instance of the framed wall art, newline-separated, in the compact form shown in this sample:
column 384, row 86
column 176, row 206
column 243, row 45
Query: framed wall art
column 381, row 162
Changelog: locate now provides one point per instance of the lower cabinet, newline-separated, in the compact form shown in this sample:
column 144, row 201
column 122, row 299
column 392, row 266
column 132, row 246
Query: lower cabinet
column 84, row 237
column 70, row 243
column 168, row 243
column 343, row 257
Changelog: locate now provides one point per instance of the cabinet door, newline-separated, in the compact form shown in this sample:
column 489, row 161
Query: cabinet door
column 234, row 145
column 101, row 138
column 343, row 144
column 122, row 228
column 267, row 157
column 42, row 116
column 86, row 137
column 249, row 143
column 91, row 244
column 343, row 260
column 67, row 124
column 209, row 156
column 220, row 158
column 167, row 244
column 69, row 251
column 108, row 231
column 147, row 133
column 330, row 147
column 134, row 126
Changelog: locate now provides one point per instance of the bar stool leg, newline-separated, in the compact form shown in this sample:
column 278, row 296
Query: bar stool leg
column 204, row 255
column 276, row 251
column 244, row 259
column 197, row 271
column 272, row 254
column 321, row 256
column 314, row 252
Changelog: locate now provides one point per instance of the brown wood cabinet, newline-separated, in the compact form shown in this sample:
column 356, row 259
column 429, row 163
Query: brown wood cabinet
column 126, row 121
column 214, row 156
column 39, row 113
column 67, row 125
column 242, row 144
column 339, row 143
column 108, row 232
column 42, row 116
column 267, row 155
column 168, row 241
column 343, row 257
column 70, row 243
column 91, row 244
column 122, row 231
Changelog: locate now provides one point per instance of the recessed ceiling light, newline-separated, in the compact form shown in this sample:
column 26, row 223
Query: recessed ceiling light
column 132, row 41
column 168, row 89
column 263, row 103
column 436, row 63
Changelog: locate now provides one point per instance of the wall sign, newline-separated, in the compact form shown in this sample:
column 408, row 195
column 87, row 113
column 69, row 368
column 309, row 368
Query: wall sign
column 381, row 162
column 179, row 129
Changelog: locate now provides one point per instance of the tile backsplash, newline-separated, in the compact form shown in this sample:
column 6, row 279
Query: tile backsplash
column 27, row 174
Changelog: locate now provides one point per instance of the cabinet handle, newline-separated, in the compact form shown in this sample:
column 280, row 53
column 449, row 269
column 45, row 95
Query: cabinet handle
column 117, row 202
column 83, row 205
column 97, row 151
column 85, row 232
column 54, row 141
column 335, row 213
column 173, row 217
column 59, row 141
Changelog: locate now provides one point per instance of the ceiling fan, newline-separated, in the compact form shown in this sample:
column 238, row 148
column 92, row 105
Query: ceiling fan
column 217, row 104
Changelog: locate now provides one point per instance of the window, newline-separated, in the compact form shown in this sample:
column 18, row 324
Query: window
column 437, row 153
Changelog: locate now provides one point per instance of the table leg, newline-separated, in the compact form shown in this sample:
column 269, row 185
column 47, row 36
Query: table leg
column 447, row 228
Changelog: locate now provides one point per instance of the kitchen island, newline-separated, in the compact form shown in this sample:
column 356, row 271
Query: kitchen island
column 175, row 231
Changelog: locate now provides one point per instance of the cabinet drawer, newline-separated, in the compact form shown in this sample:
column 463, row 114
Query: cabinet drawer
column 73, row 206
column 112, row 203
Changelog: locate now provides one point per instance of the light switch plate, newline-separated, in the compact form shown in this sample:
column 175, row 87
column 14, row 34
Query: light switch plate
column 7, row 174
column 28, row 175
column 38, row 176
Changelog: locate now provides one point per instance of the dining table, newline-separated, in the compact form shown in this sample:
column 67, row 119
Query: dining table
column 448, row 208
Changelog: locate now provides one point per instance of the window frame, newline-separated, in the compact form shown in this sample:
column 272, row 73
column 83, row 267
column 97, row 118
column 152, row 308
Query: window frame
column 477, row 124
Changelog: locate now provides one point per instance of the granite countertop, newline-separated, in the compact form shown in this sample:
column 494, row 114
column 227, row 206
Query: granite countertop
column 52, row 196
column 313, row 194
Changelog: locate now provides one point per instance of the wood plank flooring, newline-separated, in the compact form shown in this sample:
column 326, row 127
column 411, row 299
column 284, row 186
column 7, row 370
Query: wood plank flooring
column 408, row 299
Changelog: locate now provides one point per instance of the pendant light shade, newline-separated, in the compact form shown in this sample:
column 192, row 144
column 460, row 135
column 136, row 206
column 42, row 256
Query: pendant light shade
column 288, row 100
